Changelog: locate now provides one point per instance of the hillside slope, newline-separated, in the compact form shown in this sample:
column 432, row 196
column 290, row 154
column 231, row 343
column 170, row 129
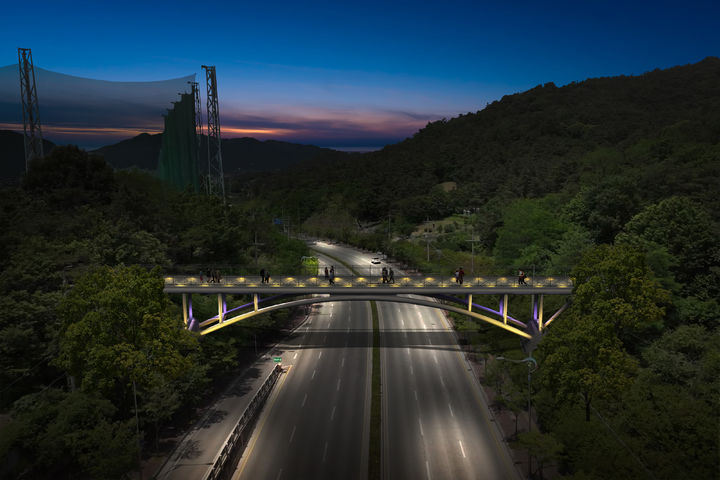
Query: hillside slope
column 659, row 130
column 240, row 155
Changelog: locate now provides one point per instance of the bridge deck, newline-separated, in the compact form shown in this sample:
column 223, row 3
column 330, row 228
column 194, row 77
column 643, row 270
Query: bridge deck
column 358, row 285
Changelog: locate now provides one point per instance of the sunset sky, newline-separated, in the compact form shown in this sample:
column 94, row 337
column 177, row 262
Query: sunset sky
column 338, row 74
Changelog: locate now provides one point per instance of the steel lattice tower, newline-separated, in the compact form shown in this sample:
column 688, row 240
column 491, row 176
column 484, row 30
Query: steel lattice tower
column 216, row 179
column 31, row 110
column 198, row 119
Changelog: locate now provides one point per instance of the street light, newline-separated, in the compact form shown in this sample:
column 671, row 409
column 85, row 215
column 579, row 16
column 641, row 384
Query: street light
column 532, row 366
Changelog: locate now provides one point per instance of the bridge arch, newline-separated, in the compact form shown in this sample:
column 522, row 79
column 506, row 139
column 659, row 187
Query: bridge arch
column 506, row 322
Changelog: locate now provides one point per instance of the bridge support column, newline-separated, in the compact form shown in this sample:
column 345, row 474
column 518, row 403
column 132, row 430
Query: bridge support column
column 190, row 322
column 504, row 308
column 540, row 313
column 221, row 307
column 470, row 303
column 255, row 301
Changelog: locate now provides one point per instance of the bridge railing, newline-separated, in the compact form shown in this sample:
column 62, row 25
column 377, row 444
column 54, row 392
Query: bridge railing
column 371, row 280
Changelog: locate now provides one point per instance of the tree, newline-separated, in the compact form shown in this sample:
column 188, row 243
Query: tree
column 529, row 229
column 54, row 434
column 119, row 328
column 543, row 446
column 614, row 286
column 688, row 233
column 584, row 353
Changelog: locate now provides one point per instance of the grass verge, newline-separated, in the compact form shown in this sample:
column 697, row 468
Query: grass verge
column 374, row 466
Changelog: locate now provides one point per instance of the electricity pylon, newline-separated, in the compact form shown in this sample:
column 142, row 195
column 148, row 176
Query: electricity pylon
column 31, row 110
column 216, row 180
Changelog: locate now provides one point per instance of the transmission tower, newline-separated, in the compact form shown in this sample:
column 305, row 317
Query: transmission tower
column 31, row 111
column 198, row 119
column 216, row 181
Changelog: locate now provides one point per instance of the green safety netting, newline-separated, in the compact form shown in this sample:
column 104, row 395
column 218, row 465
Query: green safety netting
column 178, row 162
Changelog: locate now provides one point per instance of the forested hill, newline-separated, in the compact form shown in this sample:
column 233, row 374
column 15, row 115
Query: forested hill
column 658, row 132
column 240, row 155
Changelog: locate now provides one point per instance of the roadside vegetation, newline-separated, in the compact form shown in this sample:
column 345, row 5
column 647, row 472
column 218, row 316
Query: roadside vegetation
column 91, row 349
column 612, row 181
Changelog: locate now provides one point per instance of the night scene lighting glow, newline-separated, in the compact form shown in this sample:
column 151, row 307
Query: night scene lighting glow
column 352, row 76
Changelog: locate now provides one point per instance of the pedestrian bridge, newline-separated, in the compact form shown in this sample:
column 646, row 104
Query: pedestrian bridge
column 431, row 291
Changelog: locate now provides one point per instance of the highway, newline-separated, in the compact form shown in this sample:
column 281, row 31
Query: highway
column 316, row 423
column 435, row 423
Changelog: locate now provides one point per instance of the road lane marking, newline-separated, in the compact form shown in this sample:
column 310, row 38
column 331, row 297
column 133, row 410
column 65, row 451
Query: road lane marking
column 435, row 358
column 403, row 322
column 342, row 364
column 411, row 370
column 332, row 415
column 304, row 400
column 407, row 349
column 293, row 433
column 451, row 412
column 264, row 416
column 279, row 475
column 338, row 384
column 295, row 356
column 325, row 452
column 442, row 382
column 462, row 450
column 319, row 355
column 427, row 469
column 313, row 375
column 415, row 392
column 421, row 429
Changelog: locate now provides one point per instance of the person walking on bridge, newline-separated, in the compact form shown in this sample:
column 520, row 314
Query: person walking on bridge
column 262, row 275
column 332, row 275
column 392, row 276
column 267, row 276
column 327, row 275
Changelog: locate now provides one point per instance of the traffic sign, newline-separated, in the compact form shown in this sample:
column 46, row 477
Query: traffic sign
column 277, row 359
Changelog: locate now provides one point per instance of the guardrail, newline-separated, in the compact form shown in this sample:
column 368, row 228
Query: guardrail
column 226, row 461
column 350, row 280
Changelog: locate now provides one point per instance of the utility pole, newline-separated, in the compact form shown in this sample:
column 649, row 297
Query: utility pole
column 31, row 110
column 532, row 366
column 472, row 251
column 216, row 178
column 256, row 249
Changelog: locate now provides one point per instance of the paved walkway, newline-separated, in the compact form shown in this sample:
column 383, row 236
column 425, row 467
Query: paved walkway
column 195, row 454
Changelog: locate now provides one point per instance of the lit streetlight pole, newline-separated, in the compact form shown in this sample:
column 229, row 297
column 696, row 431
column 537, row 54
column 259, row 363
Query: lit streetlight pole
column 532, row 366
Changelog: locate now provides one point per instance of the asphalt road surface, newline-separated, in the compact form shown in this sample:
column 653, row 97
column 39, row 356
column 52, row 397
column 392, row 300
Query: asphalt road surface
column 435, row 423
column 316, row 423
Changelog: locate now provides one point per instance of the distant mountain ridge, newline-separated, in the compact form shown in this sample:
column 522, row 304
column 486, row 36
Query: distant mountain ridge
column 240, row 155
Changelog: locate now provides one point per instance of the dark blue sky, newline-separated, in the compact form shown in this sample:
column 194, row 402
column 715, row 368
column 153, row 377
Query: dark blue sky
column 361, row 73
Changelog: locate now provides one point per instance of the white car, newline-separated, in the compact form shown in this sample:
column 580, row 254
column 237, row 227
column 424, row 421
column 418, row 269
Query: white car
column 375, row 260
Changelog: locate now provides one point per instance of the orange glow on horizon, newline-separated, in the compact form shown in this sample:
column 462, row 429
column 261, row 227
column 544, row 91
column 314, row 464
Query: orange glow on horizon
column 255, row 131
column 63, row 130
